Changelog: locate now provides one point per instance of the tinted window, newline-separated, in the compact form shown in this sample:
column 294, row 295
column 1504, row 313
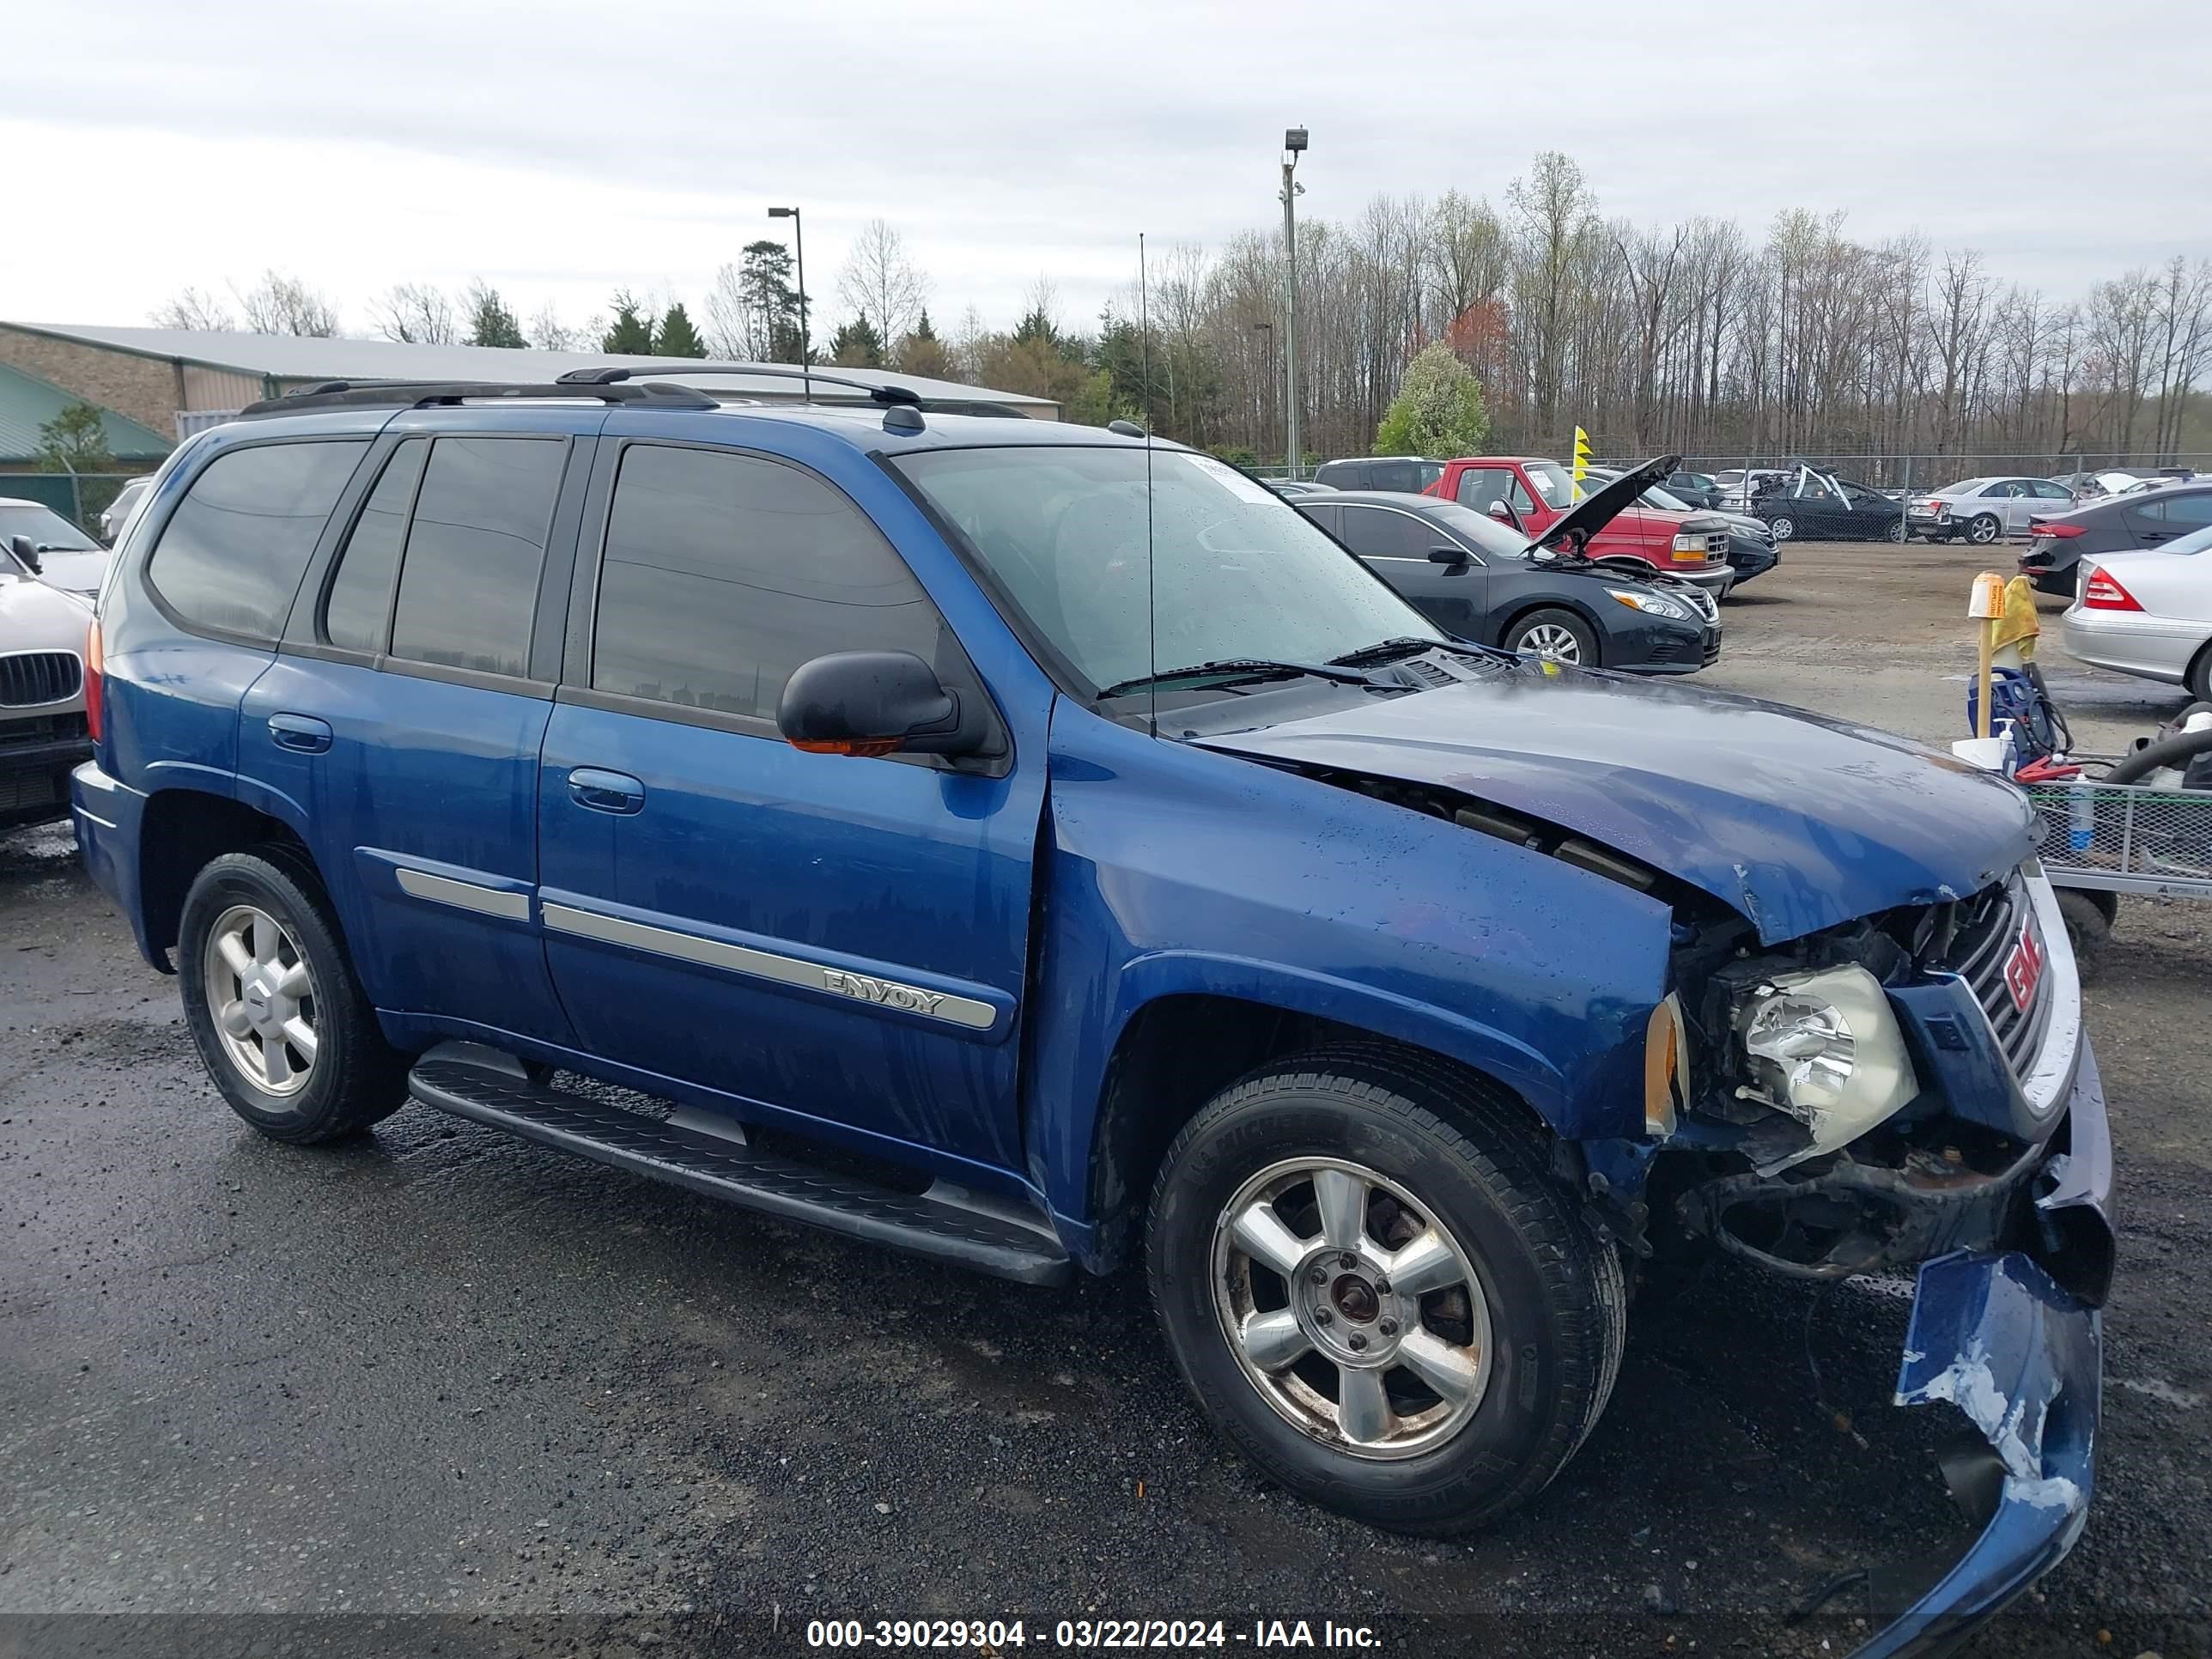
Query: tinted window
column 1377, row 532
column 469, row 586
column 234, row 551
column 361, row 593
column 2044, row 489
column 1396, row 475
column 2189, row 509
column 724, row 572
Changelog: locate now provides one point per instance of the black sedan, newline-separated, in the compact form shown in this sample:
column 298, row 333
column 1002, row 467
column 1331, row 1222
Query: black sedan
column 1811, row 505
column 2056, row 541
column 1474, row 578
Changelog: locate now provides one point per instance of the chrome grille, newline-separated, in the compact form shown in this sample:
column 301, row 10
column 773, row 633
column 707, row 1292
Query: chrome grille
column 1716, row 544
column 28, row 679
column 1998, row 919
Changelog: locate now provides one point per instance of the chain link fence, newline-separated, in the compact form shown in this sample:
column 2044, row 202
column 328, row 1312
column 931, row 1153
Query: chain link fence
column 1932, row 472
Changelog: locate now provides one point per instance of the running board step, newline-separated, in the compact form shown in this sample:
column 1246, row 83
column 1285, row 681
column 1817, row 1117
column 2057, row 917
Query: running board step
column 970, row 1234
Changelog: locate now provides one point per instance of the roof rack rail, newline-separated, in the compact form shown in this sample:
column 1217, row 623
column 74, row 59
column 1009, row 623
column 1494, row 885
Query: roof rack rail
column 424, row 394
column 615, row 373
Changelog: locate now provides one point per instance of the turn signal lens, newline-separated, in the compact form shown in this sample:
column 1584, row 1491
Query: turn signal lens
column 1666, row 1068
column 2103, row 591
column 864, row 748
column 94, row 668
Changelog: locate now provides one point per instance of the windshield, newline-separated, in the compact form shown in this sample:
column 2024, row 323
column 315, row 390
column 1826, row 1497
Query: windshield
column 1552, row 482
column 1236, row 571
column 45, row 527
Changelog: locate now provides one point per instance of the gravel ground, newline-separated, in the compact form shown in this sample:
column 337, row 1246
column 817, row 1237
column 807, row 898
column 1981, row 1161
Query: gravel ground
column 438, row 1391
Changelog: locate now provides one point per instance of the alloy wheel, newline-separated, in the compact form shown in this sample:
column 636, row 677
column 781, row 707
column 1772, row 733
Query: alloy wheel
column 1352, row 1308
column 1784, row 528
column 1551, row 639
column 1982, row 531
column 262, row 997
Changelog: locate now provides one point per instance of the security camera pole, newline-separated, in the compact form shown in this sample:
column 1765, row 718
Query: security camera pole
column 1294, row 143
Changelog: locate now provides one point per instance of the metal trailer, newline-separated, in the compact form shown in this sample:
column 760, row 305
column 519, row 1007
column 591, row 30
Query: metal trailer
column 2099, row 841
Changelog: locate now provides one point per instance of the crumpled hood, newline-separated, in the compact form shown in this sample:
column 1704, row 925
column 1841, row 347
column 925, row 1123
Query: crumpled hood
column 1798, row 822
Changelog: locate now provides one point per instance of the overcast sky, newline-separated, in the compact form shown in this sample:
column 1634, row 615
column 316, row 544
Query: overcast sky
column 559, row 150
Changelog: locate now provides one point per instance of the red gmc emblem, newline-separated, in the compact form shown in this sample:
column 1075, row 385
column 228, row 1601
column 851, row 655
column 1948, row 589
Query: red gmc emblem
column 2023, row 968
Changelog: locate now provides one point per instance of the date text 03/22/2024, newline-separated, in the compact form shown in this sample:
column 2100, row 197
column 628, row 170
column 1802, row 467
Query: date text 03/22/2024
column 997, row 1635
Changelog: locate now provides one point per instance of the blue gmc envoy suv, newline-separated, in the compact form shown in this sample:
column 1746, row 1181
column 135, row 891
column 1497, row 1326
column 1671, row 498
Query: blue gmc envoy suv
column 1039, row 848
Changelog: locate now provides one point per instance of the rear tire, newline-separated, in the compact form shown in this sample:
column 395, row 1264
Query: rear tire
column 1985, row 530
column 1431, row 1165
column 270, row 997
column 1560, row 636
column 1895, row 533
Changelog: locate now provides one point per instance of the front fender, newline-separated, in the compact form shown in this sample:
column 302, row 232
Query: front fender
column 1174, row 871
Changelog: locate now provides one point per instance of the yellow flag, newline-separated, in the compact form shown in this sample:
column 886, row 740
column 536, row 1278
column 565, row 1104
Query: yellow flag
column 1582, row 459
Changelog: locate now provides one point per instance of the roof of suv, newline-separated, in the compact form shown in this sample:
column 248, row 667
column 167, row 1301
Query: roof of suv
column 862, row 424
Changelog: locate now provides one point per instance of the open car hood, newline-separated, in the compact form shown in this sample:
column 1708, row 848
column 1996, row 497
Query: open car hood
column 1798, row 822
column 1593, row 513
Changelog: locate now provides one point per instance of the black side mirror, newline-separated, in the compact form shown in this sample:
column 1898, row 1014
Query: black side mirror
column 1447, row 556
column 875, row 702
column 28, row 550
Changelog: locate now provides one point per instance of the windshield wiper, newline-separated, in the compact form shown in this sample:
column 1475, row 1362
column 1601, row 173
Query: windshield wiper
column 1392, row 650
column 1251, row 668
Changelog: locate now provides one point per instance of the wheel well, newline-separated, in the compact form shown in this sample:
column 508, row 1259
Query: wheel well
column 1173, row 1057
column 182, row 830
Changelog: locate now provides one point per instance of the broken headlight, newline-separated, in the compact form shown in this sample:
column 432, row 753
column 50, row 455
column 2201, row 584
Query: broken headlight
column 1824, row 1048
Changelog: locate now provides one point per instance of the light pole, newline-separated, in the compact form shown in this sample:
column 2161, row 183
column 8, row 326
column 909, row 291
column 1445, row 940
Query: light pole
column 1269, row 329
column 799, row 239
column 1294, row 144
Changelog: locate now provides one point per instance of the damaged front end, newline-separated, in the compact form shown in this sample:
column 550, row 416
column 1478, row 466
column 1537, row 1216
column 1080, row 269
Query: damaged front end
column 1914, row 1090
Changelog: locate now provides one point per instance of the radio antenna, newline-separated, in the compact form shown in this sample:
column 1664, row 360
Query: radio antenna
column 1145, row 375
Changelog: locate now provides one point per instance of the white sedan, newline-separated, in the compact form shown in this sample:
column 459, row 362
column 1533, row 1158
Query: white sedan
column 2148, row 611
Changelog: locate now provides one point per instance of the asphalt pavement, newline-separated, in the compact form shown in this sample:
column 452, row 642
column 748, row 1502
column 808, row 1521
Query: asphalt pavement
column 436, row 1390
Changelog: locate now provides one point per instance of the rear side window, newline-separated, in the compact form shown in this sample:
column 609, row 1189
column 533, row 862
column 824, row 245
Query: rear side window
column 360, row 592
column 1375, row 533
column 468, row 585
column 723, row 573
column 2189, row 509
column 233, row 553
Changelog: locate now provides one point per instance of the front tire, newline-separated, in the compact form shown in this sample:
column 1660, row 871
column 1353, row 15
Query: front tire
column 1559, row 635
column 1378, row 1295
column 272, row 1001
column 1782, row 525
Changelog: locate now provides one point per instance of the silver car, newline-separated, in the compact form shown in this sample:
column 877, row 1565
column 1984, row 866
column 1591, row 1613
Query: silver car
column 1985, row 510
column 39, row 539
column 2149, row 612
column 115, row 519
column 43, row 733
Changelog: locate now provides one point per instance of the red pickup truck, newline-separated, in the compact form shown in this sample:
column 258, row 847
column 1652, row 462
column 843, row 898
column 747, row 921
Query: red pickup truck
column 1531, row 495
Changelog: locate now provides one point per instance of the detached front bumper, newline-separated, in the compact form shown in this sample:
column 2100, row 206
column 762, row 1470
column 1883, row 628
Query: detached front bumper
column 1993, row 1334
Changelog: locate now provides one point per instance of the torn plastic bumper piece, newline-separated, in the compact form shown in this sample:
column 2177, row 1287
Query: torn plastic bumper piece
column 1996, row 1336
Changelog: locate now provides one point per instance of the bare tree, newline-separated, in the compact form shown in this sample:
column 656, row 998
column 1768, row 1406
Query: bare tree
column 193, row 308
column 278, row 304
column 880, row 282
column 417, row 313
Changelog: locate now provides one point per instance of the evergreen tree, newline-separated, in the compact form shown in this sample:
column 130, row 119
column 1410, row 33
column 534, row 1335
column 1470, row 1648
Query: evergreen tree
column 490, row 323
column 630, row 334
column 857, row 345
column 769, row 301
column 676, row 337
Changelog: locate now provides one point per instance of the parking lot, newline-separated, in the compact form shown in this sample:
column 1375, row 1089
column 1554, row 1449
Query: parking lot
column 435, row 1374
